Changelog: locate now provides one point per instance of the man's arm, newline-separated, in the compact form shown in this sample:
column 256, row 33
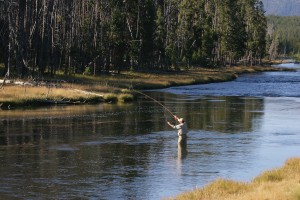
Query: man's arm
column 171, row 125
column 176, row 118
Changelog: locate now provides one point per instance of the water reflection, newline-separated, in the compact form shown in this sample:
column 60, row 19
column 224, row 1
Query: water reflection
column 127, row 151
column 181, row 154
column 225, row 114
column 182, row 151
column 122, row 151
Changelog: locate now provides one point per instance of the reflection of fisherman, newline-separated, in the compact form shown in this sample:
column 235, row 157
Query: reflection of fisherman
column 182, row 129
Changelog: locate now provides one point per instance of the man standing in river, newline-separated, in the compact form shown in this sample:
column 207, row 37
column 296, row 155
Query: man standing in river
column 182, row 129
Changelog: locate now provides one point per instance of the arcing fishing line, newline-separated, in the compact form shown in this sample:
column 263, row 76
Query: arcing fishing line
column 155, row 101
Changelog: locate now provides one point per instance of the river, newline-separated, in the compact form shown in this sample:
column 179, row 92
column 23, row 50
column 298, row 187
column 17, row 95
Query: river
column 126, row 151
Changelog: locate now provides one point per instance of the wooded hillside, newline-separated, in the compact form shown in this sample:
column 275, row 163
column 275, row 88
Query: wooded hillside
column 283, row 35
column 96, row 36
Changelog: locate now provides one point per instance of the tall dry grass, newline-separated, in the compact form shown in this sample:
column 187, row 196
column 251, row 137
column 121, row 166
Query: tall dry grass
column 16, row 96
column 277, row 184
column 111, row 86
column 34, row 96
column 11, row 93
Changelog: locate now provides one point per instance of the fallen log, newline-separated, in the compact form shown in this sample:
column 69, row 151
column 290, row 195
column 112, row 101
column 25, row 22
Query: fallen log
column 88, row 93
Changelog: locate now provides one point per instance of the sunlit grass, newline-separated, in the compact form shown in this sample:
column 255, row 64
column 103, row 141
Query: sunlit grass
column 117, row 87
column 112, row 98
column 21, row 95
column 125, row 98
column 290, row 169
column 21, row 92
column 281, row 183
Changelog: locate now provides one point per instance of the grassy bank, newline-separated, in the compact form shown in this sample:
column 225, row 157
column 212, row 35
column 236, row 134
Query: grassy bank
column 282, row 183
column 79, row 89
column 32, row 96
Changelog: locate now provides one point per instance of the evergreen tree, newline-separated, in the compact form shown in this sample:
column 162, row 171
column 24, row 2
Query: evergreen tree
column 283, row 35
column 95, row 36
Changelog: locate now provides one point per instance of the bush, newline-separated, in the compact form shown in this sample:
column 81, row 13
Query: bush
column 111, row 98
column 125, row 98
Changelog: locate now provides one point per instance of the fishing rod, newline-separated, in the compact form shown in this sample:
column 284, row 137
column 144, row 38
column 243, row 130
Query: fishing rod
column 155, row 101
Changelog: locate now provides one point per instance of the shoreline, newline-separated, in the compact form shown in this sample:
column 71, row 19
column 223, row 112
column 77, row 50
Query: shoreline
column 278, row 183
column 112, row 88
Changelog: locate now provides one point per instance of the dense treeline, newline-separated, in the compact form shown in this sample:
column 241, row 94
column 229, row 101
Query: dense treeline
column 96, row 36
column 283, row 35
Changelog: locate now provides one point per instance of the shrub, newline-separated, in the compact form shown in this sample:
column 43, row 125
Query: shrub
column 112, row 98
column 125, row 98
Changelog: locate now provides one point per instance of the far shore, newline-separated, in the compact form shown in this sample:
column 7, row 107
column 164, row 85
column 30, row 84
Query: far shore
column 112, row 88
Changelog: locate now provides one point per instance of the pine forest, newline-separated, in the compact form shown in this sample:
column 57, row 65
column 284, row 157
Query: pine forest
column 99, row 36
column 283, row 35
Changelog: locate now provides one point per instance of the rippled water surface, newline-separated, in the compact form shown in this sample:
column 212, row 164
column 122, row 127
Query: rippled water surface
column 268, row 84
column 237, row 130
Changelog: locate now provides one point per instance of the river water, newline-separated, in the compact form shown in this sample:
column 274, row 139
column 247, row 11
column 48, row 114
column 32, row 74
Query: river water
column 126, row 151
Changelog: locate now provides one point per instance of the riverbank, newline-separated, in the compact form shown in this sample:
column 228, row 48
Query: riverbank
column 282, row 183
column 112, row 88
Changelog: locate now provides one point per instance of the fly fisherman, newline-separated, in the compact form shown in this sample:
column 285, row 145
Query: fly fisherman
column 182, row 129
